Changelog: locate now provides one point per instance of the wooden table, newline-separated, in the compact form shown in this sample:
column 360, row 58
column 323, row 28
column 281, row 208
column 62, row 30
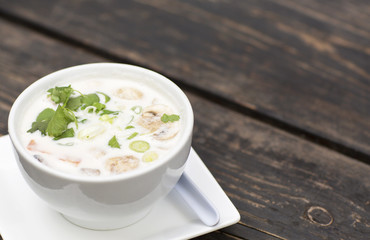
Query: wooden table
column 280, row 91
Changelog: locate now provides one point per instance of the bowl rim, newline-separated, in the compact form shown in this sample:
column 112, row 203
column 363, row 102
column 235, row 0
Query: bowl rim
column 54, row 76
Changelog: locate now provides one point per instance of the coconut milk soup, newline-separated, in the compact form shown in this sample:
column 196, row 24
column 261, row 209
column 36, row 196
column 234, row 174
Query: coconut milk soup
column 100, row 127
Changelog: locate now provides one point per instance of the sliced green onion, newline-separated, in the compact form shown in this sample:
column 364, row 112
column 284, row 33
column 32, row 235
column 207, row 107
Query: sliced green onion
column 132, row 118
column 129, row 127
column 106, row 111
column 107, row 118
column 139, row 146
column 150, row 156
column 132, row 135
column 137, row 109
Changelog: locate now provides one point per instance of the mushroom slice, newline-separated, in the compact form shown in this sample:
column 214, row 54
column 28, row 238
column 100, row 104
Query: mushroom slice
column 167, row 131
column 129, row 93
column 151, row 116
column 122, row 164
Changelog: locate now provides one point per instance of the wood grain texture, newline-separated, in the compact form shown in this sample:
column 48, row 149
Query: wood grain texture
column 283, row 186
column 304, row 63
column 274, row 178
column 32, row 55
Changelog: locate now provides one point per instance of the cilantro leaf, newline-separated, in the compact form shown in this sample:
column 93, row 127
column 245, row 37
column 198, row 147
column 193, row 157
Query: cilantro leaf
column 42, row 121
column 59, row 122
column 46, row 114
column 170, row 118
column 85, row 101
column 74, row 103
column 60, row 94
column 107, row 98
column 90, row 99
column 66, row 134
column 114, row 143
column 41, row 126
column 99, row 106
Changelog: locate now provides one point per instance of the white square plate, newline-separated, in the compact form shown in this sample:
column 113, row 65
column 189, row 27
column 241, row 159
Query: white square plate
column 24, row 215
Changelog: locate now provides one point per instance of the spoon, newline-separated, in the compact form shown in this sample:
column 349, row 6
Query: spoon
column 196, row 200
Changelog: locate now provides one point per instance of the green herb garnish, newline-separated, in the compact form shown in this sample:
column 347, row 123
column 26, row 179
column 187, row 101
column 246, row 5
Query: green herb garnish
column 59, row 122
column 137, row 109
column 132, row 135
column 132, row 118
column 84, row 101
column 42, row 121
column 66, row 134
column 129, row 127
column 170, row 118
column 114, row 143
column 89, row 100
column 150, row 156
column 74, row 103
column 106, row 111
column 54, row 123
column 60, row 94
column 139, row 146
column 107, row 98
column 107, row 118
column 99, row 106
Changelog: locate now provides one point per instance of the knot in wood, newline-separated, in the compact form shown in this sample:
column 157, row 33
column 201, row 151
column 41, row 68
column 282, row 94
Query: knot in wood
column 319, row 215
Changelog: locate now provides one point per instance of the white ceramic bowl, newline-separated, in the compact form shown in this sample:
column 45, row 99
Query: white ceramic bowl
column 102, row 202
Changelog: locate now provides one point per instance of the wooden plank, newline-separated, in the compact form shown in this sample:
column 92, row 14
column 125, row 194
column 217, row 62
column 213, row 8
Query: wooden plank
column 283, row 186
column 301, row 63
column 220, row 236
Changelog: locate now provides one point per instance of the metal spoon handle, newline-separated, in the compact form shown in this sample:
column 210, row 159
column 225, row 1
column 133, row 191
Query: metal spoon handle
column 201, row 205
